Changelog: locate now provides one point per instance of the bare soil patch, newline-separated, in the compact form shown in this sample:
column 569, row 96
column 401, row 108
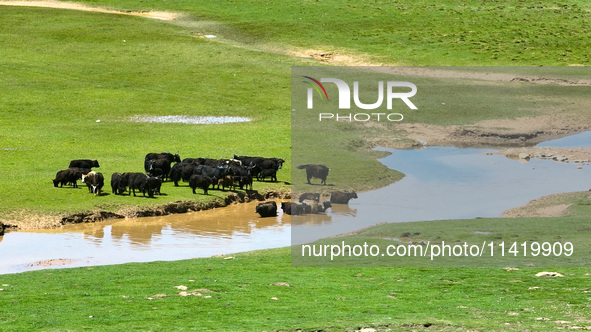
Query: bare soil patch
column 500, row 132
column 548, row 206
column 478, row 76
column 340, row 59
column 159, row 15
column 332, row 57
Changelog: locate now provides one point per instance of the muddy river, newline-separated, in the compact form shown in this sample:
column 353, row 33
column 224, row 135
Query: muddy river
column 174, row 237
column 440, row 183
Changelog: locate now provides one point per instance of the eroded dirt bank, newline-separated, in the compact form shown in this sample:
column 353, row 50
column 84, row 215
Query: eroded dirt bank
column 522, row 131
column 45, row 222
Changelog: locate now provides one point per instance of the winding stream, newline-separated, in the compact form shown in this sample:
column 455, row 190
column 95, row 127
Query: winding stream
column 440, row 183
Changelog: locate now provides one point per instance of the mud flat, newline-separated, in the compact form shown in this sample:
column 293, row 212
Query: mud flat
column 524, row 131
column 580, row 156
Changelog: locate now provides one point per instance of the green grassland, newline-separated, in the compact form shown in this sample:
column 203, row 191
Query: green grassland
column 502, row 241
column 261, row 291
column 398, row 32
column 64, row 70
column 60, row 71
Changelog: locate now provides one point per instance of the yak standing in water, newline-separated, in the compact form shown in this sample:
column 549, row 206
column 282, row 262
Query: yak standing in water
column 267, row 209
column 342, row 197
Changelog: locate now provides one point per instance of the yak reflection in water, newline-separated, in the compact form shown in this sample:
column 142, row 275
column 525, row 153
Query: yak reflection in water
column 219, row 223
column 324, row 218
column 198, row 234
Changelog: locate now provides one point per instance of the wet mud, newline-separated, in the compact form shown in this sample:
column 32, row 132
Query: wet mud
column 172, row 208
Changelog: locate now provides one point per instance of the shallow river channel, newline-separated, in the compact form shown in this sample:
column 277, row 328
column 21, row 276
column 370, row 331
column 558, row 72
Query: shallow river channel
column 440, row 183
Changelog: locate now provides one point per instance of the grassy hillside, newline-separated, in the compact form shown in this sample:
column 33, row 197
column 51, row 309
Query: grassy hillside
column 65, row 70
column 423, row 32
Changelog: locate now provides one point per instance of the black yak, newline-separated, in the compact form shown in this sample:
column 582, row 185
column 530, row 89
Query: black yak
column 200, row 181
column 267, row 209
column 267, row 173
column 316, row 171
column 309, row 196
column 342, row 197
column 94, row 181
column 84, row 163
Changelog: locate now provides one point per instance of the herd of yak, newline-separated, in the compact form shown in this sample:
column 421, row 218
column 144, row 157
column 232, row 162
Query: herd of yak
column 202, row 173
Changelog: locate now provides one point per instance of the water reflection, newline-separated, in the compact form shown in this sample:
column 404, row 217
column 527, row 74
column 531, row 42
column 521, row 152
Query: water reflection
column 343, row 209
column 199, row 234
column 324, row 218
column 311, row 219
column 582, row 140
column 221, row 223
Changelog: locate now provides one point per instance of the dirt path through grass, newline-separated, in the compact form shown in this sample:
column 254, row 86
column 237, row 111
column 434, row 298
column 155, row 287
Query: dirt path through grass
column 165, row 16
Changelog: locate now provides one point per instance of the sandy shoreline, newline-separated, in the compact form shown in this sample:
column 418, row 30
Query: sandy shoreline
column 555, row 205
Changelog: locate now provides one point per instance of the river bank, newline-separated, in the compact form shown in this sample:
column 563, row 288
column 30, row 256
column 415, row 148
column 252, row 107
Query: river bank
column 32, row 222
column 25, row 220
column 518, row 132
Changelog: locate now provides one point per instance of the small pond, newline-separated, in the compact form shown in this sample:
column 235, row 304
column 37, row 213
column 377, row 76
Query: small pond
column 186, row 119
